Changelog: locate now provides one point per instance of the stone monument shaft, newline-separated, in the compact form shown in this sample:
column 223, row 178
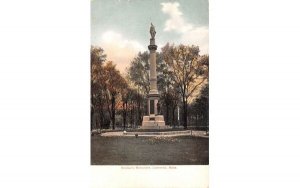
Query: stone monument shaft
column 152, row 48
column 153, row 77
column 152, row 60
column 153, row 118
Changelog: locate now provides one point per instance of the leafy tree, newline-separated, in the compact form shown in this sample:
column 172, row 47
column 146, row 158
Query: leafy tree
column 189, row 71
column 114, row 83
column 170, row 99
column 97, row 59
column 201, row 106
column 128, row 100
column 138, row 75
column 138, row 72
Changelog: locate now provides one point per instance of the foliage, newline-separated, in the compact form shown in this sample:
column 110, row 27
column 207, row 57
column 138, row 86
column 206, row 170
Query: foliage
column 200, row 108
column 115, row 84
column 139, row 72
column 106, row 85
column 97, row 59
column 190, row 71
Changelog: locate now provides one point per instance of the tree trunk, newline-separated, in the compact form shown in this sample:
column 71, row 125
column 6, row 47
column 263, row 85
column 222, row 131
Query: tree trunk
column 131, row 114
column 173, row 115
column 126, row 110
column 123, row 106
column 185, row 113
column 134, row 115
column 92, row 114
column 101, row 116
column 207, row 116
column 124, row 114
column 113, row 101
column 167, row 115
column 139, row 112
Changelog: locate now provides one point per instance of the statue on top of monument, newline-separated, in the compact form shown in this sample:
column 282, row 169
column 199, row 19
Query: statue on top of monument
column 152, row 31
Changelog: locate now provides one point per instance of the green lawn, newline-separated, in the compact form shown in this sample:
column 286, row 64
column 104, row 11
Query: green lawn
column 181, row 150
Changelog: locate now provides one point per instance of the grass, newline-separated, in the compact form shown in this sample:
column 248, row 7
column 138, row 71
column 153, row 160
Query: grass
column 181, row 150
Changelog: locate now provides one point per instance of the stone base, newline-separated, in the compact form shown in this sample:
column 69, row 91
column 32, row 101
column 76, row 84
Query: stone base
column 154, row 122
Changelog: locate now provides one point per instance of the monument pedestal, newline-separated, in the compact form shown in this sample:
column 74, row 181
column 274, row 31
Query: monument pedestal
column 154, row 122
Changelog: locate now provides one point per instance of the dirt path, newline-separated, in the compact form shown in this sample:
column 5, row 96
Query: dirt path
column 121, row 133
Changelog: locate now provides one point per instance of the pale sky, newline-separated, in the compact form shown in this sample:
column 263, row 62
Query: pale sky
column 121, row 27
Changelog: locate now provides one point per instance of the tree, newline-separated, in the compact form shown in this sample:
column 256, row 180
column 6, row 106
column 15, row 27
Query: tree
column 127, row 95
column 190, row 71
column 169, row 91
column 201, row 106
column 114, row 83
column 97, row 59
column 138, row 72
column 170, row 99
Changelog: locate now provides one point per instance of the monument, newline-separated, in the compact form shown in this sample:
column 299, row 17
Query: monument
column 153, row 120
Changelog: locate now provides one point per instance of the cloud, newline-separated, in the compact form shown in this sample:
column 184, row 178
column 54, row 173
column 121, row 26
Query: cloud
column 197, row 36
column 119, row 49
column 190, row 34
column 175, row 22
